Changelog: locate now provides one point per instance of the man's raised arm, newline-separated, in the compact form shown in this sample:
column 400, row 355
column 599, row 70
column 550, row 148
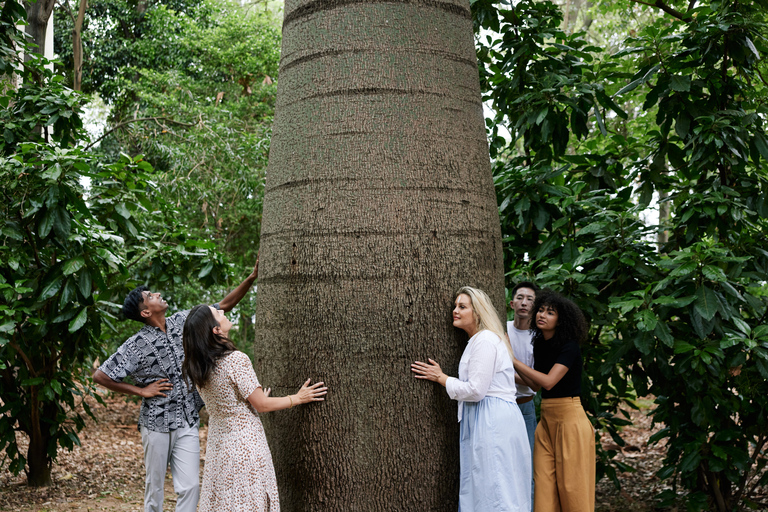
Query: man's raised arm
column 236, row 295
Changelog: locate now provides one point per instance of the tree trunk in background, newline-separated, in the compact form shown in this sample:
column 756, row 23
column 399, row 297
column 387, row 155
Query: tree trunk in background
column 379, row 204
column 37, row 22
column 77, row 46
column 662, row 237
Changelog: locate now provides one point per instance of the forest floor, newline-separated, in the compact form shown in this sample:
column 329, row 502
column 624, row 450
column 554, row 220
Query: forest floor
column 106, row 472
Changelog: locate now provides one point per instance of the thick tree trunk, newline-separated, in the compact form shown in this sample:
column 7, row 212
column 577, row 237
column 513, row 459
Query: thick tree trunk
column 379, row 204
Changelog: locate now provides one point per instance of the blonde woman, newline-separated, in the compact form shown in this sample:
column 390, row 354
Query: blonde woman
column 495, row 455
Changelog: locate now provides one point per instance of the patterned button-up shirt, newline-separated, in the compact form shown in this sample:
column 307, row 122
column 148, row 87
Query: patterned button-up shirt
column 152, row 354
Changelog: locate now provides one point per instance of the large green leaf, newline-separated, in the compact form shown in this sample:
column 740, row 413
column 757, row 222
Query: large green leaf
column 50, row 288
column 79, row 320
column 706, row 302
column 73, row 265
column 46, row 223
column 84, row 284
column 62, row 223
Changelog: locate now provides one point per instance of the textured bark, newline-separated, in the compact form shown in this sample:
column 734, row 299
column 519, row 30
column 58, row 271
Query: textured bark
column 39, row 462
column 37, row 23
column 379, row 204
column 77, row 46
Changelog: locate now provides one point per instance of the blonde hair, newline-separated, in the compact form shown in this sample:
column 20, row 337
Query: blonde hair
column 485, row 314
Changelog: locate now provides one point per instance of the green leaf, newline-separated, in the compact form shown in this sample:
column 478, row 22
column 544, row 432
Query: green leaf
column 635, row 83
column 73, row 265
column 706, row 302
column 751, row 46
column 46, row 223
column 7, row 326
column 607, row 102
column 67, row 293
column 682, row 125
column 644, row 342
column 63, row 317
column 50, row 289
column 680, row 83
column 205, row 270
column 762, row 145
column 647, row 321
column 742, row 325
column 79, row 320
column 550, row 243
column 681, row 347
column 685, row 269
column 600, row 122
column 61, row 222
column 122, row 210
column 84, row 284
column 664, row 334
column 714, row 273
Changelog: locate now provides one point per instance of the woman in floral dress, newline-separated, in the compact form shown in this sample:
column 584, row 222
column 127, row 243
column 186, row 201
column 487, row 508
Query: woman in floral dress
column 238, row 474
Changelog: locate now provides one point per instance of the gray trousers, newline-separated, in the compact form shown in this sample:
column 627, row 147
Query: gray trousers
column 181, row 449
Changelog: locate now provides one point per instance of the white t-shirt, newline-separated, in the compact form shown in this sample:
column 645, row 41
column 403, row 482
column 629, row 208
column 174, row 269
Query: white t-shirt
column 523, row 349
column 485, row 369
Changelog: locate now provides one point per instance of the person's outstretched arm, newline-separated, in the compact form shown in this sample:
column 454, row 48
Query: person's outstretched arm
column 236, row 295
column 263, row 403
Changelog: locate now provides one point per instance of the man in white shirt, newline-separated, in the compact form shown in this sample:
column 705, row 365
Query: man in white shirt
column 523, row 297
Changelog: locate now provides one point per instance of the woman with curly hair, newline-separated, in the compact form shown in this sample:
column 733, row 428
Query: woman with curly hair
column 564, row 446
column 239, row 475
column 494, row 452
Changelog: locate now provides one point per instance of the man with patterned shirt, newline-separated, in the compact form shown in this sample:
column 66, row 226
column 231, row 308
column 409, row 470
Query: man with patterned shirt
column 169, row 418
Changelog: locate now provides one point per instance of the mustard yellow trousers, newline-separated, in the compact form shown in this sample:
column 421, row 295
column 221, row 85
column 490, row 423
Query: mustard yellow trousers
column 564, row 458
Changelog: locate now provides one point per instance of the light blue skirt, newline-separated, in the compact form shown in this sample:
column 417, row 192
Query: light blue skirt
column 495, row 458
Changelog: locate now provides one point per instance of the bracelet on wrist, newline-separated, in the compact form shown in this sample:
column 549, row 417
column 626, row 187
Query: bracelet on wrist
column 291, row 399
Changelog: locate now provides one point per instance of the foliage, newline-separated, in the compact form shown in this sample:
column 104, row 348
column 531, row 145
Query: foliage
column 213, row 141
column 196, row 98
column 72, row 227
column 678, row 114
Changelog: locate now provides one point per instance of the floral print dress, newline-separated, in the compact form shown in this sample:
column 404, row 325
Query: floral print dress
column 238, row 474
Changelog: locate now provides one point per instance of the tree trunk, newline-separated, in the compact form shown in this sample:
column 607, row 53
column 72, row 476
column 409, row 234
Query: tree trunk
column 38, row 460
column 379, row 204
column 77, row 47
column 662, row 236
column 37, row 23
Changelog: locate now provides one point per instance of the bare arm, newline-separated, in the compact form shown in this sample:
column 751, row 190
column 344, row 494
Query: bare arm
column 263, row 403
column 536, row 380
column 236, row 295
column 149, row 391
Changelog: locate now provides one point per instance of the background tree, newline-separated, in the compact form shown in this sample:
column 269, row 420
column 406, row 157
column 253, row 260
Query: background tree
column 379, row 205
column 66, row 248
column 193, row 91
column 675, row 109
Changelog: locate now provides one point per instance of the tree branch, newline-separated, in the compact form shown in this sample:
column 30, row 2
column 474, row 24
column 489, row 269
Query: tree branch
column 23, row 355
column 667, row 9
column 125, row 123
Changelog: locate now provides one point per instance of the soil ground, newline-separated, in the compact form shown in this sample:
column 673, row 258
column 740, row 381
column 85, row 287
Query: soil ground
column 106, row 472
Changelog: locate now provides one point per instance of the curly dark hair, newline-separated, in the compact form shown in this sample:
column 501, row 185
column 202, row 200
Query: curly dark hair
column 134, row 304
column 571, row 323
column 202, row 347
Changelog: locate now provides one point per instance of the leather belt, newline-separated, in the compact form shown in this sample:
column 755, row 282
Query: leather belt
column 525, row 399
